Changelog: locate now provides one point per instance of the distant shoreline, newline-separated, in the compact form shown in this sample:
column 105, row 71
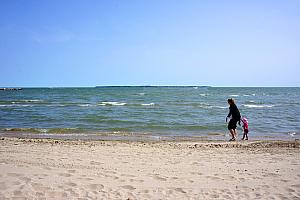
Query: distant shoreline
column 147, row 86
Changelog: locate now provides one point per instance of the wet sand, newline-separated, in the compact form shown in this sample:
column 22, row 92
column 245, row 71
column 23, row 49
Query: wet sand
column 56, row 169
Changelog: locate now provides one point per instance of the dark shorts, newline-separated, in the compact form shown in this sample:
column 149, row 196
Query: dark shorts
column 232, row 124
column 246, row 131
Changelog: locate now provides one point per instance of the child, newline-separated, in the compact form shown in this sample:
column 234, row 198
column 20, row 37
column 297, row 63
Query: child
column 245, row 127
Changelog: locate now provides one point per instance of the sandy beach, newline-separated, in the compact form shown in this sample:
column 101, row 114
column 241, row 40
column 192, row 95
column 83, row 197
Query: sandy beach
column 53, row 169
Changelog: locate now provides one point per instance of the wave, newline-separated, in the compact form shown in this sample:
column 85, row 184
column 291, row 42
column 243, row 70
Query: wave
column 111, row 103
column 85, row 105
column 27, row 101
column 221, row 107
column 15, row 105
column 44, row 130
column 6, row 105
column 292, row 134
column 234, row 95
column 32, row 100
column 258, row 106
column 148, row 104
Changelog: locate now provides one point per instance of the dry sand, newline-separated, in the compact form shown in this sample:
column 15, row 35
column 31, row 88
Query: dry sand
column 48, row 169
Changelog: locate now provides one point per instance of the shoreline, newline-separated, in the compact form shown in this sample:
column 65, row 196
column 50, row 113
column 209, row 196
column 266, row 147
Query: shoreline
column 189, row 144
column 140, row 137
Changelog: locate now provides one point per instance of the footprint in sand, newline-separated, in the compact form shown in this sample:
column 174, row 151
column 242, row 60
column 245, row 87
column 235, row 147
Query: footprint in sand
column 179, row 190
column 145, row 191
column 3, row 186
column 39, row 187
column 18, row 193
column 296, row 186
column 95, row 163
column 14, row 174
column 196, row 173
column 157, row 177
column 111, row 172
column 136, row 180
column 71, row 184
column 25, row 179
column 290, row 190
column 39, row 194
column 47, row 168
column 284, row 180
column 128, row 175
column 97, row 187
column 65, row 174
column 57, row 195
column 16, row 183
column 213, row 177
column 128, row 187
column 71, row 171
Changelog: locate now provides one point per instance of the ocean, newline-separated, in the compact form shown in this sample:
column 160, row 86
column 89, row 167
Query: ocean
column 148, row 112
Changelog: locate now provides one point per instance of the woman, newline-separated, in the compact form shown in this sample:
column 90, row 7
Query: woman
column 235, row 115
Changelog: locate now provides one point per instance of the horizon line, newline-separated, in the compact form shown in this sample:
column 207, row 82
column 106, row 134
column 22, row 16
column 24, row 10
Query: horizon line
column 99, row 86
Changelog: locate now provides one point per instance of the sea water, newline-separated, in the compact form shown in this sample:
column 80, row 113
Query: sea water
column 148, row 112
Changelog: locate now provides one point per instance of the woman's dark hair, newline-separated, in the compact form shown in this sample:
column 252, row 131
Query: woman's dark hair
column 230, row 101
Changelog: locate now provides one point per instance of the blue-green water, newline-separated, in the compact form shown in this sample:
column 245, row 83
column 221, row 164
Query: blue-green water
column 148, row 111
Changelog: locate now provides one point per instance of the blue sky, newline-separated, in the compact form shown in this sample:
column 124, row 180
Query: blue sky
column 149, row 42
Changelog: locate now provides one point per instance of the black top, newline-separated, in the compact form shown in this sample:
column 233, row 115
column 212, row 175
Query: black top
column 234, row 112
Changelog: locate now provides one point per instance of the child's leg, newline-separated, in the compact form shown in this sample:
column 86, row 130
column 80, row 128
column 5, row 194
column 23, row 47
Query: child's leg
column 246, row 133
column 244, row 136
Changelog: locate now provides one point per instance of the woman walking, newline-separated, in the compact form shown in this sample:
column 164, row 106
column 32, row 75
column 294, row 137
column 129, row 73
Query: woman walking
column 235, row 115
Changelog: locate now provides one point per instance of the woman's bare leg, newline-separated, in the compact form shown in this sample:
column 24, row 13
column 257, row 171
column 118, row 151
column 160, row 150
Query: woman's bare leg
column 232, row 133
column 235, row 133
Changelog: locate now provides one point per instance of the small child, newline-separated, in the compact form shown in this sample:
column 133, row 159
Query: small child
column 245, row 128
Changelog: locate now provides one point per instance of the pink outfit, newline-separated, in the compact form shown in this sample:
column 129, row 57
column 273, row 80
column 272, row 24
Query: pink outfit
column 245, row 122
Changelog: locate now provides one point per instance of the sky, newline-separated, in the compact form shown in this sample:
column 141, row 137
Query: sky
column 72, row 43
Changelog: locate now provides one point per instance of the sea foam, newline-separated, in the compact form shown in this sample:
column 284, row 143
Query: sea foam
column 148, row 104
column 112, row 103
column 258, row 106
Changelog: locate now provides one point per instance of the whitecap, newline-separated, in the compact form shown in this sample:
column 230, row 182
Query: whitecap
column 15, row 105
column 258, row 106
column 292, row 134
column 142, row 94
column 6, row 105
column 203, row 95
column 43, row 130
column 33, row 100
column 84, row 105
column 222, row 107
column 195, row 88
column 56, row 105
column 148, row 104
column 246, row 95
column 112, row 103
column 24, row 105
column 234, row 95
